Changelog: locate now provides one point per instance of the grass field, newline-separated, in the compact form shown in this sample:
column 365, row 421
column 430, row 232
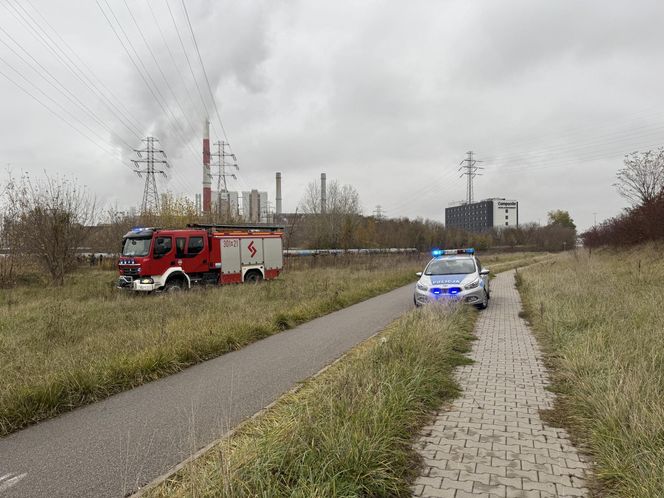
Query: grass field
column 601, row 321
column 66, row 347
column 348, row 432
column 62, row 348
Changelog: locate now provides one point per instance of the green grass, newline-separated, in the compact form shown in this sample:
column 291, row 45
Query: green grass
column 348, row 432
column 601, row 321
column 62, row 348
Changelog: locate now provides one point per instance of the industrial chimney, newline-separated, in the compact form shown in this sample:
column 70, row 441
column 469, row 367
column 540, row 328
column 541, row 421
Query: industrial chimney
column 323, row 192
column 207, row 177
column 278, row 208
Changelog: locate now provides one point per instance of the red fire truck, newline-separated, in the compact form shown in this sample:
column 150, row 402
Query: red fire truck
column 170, row 260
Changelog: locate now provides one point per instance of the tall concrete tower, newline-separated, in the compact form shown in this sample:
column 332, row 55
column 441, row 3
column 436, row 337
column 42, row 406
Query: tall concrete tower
column 323, row 192
column 207, row 176
column 278, row 197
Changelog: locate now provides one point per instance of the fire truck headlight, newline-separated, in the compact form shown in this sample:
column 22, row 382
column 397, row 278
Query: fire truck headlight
column 147, row 281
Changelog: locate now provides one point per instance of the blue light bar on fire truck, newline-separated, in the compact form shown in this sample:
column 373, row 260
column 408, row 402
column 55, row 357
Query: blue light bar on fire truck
column 449, row 252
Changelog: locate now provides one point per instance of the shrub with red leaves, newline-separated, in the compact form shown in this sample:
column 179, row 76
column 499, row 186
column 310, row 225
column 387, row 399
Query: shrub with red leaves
column 637, row 225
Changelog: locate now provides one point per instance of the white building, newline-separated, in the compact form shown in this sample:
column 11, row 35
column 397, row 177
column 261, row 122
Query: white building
column 505, row 213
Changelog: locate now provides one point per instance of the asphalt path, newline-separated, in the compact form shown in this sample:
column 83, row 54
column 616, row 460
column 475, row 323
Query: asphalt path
column 115, row 446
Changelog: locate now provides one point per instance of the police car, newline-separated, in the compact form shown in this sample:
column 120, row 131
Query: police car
column 453, row 275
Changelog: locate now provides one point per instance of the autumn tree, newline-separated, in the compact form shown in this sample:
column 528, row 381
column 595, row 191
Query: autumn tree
column 51, row 220
column 334, row 225
column 641, row 180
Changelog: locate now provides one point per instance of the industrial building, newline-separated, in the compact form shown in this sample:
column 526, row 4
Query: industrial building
column 483, row 215
column 225, row 203
column 255, row 207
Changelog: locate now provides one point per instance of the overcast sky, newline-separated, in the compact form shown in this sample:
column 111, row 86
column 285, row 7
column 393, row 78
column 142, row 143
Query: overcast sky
column 386, row 96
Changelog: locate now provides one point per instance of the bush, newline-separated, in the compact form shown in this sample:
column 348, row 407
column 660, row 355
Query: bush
column 637, row 225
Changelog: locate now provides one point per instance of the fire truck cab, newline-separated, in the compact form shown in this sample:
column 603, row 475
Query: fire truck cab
column 170, row 260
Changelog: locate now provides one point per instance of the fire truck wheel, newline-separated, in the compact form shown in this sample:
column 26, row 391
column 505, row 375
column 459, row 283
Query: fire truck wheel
column 253, row 276
column 174, row 285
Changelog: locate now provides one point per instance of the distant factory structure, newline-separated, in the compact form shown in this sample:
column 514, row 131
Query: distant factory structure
column 255, row 207
column 484, row 215
column 226, row 202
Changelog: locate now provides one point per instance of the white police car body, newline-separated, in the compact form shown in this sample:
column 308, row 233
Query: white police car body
column 453, row 275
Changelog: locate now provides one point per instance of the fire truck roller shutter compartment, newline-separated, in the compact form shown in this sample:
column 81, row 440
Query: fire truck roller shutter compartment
column 251, row 251
column 230, row 256
column 273, row 253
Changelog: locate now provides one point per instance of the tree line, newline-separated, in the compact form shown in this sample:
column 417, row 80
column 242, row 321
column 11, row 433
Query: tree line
column 48, row 223
column 641, row 183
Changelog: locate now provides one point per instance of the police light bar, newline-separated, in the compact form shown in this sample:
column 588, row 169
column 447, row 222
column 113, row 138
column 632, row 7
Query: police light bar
column 449, row 252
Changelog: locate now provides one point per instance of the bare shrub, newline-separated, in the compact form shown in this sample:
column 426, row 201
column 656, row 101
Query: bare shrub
column 50, row 222
column 641, row 181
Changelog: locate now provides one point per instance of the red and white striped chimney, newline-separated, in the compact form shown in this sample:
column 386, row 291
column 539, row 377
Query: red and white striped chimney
column 207, row 177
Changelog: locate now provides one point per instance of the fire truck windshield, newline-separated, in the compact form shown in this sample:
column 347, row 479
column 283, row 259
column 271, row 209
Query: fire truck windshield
column 136, row 247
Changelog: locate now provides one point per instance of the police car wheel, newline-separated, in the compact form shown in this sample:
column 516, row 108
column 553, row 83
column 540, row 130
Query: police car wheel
column 485, row 302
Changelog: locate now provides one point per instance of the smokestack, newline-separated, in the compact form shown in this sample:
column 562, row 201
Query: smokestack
column 207, row 177
column 323, row 192
column 278, row 208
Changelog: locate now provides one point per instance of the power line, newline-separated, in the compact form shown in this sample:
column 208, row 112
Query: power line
column 612, row 139
column 59, row 116
column 166, row 110
column 55, row 84
column 538, row 163
column 156, row 62
column 172, row 57
column 154, row 58
column 214, row 101
column 64, row 109
column 184, row 51
column 40, row 34
column 119, row 111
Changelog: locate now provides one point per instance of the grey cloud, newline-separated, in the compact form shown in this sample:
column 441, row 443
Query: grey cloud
column 383, row 95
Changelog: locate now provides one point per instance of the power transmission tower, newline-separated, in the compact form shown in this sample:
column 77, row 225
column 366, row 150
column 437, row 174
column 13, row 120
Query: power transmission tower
column 150, row 202
column 222, row 185
column 379, row 213
column 469, row 165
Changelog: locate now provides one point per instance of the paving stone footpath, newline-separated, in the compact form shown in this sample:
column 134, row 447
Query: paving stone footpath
column 492, row 441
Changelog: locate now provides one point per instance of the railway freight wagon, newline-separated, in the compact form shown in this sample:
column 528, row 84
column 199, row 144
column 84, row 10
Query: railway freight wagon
column 172, row 260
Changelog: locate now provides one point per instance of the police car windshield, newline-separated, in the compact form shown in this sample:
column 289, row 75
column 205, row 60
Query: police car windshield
column 136, row 247
column 447, row 266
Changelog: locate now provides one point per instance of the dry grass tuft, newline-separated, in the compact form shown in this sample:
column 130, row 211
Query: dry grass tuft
column 601, row 319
